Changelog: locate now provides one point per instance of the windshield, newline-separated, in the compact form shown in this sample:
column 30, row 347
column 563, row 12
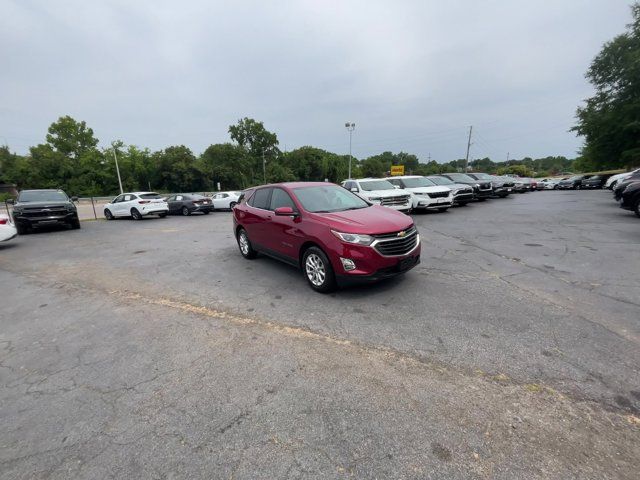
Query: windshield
column 461, row 177
column 417, row 182
column 369, row 185
column 329, row 198
column 483, row 176
column 43, row 196
column 441, row 180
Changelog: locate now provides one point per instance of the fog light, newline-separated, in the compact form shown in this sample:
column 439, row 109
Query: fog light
column 348, row 264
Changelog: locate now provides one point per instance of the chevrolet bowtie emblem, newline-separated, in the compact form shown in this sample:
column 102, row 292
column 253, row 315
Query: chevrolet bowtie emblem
column 402, row 233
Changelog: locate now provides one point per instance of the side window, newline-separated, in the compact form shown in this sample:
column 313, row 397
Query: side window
column 261, row 198
column 118, row 199
column 349, row 185
column 224, row 195
column 170, row 199
column 280, row 198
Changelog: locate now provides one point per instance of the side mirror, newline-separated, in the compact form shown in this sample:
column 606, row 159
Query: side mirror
column 354, row 189
column 10, row 201
column 285, row 212
column 74, row 199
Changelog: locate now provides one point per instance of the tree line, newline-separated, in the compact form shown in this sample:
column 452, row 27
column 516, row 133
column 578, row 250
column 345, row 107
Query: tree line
column 70, row 158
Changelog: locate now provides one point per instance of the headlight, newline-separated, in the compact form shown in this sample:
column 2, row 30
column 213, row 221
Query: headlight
column 355, row 238
column 477, row 185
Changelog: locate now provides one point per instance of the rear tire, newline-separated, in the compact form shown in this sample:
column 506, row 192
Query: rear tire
column 107, row 214
column 206, row 212
column 136, row 214
column 231, row 205
column 578, row 187
column 318, row 270
column 162, row 215
column 244, row 244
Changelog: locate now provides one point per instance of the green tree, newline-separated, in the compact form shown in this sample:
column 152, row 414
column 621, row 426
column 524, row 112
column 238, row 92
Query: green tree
column 260, row 144
column 610, row 120
column 520, row 170
column 228, row 164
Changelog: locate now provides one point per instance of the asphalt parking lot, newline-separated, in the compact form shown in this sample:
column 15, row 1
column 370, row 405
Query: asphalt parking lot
column 152, row 349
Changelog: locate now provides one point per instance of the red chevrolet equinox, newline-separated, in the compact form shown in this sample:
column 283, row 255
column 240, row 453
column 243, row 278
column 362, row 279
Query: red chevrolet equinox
column 334, row 236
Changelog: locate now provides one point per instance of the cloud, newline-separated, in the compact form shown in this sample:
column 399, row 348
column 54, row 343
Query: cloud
column 412, row 75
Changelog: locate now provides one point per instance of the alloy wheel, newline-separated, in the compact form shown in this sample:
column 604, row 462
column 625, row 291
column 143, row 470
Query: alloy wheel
column 315, row 269
column 244, row 243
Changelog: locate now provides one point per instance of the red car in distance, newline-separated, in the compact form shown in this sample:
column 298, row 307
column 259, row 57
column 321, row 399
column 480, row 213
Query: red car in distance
column 334, row 236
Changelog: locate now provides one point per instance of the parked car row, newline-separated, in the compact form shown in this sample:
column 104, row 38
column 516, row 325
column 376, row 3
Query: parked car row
column 627, row 192
column 435, row 192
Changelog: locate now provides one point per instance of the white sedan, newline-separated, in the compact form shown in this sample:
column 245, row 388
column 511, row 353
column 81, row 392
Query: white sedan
column 225, row 200
column 136, row 205
column 7, row 228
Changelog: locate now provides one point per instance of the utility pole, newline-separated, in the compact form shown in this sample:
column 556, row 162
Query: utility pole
column 466, row 159
column 264, row 167
column 117, row 168
column 350, row 127
column 507, row 156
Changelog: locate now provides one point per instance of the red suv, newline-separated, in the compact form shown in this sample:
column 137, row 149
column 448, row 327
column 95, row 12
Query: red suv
column 336, row 237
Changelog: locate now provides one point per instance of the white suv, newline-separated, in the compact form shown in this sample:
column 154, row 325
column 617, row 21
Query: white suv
column 381, row 192
column 136, row 205
column 426, row 194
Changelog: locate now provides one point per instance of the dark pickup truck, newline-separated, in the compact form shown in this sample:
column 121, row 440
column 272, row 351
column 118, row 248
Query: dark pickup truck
column 40, row 208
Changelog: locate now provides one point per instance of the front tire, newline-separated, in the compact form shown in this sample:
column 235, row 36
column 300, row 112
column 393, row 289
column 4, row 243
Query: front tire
column 21, row 229
column 107, row 214
column 318, row 270
column 185, row 211
column 75, row 224
column 136, row 214
column 578, row 187
column 244, row 244
column 637, row 209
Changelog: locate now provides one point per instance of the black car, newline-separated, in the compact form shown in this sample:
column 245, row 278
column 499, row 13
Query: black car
column 501, row 187
column 43, row 208
column 621, row 186
column 631, row 197
column 596, row 181
column 188, row 203
column 482, row 189
column 573, row 183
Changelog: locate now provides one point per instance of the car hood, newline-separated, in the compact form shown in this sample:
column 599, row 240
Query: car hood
column 43, row 204
column 383, row 193
column 371, row 220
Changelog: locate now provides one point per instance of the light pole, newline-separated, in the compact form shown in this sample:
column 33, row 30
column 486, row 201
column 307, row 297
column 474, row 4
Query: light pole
column 113, row 147
column 351, row 127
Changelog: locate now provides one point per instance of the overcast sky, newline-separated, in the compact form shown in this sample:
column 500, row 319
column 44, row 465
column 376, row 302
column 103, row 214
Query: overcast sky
column 412, row 75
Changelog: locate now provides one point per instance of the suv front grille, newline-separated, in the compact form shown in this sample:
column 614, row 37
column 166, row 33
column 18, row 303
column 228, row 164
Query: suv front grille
column 49, row 212
column 485, row 186
column 438, row 194
column 390, row 244
column 389, row 201
column 508, row 184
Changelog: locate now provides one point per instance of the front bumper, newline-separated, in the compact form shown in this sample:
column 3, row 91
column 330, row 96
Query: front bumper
column 428, row 203
column 502, row 191
column 45, row 220
column 484, row 193
column 400, row 267
column 370, row 264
